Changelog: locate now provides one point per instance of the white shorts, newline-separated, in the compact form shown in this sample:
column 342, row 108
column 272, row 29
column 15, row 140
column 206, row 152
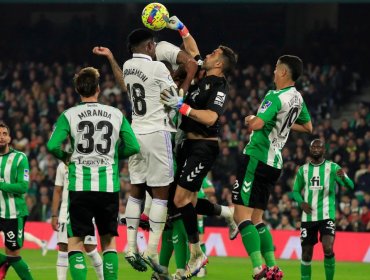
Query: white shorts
column 63, row 236
column 154, row 164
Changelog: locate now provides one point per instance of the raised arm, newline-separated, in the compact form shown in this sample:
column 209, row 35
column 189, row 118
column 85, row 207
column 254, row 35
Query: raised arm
column 190, row 44
column 117, row 71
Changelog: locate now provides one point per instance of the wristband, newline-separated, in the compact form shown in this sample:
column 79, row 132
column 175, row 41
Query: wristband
column 185, row 109
column 184, row 32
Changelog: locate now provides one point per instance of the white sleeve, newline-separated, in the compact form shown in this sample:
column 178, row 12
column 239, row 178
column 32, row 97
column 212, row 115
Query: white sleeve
column 167, row 52
column 59, row 178
column 163, row 76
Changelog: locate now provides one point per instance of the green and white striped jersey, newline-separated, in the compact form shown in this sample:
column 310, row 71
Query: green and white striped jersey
column 97, row 132
column 319, row 184
column 14, row 181
column 280, row 109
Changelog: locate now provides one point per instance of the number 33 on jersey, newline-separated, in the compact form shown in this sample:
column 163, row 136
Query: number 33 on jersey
column 96, row 132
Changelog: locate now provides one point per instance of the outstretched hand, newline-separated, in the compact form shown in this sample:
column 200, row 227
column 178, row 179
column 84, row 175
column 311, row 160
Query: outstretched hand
column 103, row 51
column 174, row 23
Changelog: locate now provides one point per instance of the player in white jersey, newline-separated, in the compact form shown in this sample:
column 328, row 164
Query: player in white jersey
column 59, row 224
column 145, row 79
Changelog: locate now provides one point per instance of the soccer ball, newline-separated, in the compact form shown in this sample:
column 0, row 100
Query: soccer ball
column 153, row 16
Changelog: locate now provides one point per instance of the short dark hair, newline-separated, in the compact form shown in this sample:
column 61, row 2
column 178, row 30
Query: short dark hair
column 138, row 36
column 230, row 59
column 295, row 65
column 2, row 124
column 86, row 81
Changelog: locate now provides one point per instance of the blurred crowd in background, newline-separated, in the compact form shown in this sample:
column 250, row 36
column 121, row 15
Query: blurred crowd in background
column 33, row 93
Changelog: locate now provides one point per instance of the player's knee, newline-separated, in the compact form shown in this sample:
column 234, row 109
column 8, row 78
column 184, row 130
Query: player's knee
column 328, row 249
column 180, row 201
column 307, row 253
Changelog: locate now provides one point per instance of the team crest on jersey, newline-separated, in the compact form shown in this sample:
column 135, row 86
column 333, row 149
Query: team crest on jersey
column 265, row 105
column 220, row 98
column 26, row 175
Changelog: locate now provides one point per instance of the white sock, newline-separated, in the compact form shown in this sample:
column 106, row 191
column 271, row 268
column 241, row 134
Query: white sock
column 62, row 265
column 97, row 263
column 31, row 238
column 133, row 211
column 195, row 249
column 157, row 220
column 226, row 212
column 148, row 203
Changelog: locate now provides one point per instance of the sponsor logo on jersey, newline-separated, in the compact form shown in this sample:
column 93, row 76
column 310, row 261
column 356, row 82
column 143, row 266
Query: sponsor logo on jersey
column 220, row 98
column 265, row 105
column 315, row 188
column 194, row 94
column 208, row 86
column 10, row 234
column 92, row 162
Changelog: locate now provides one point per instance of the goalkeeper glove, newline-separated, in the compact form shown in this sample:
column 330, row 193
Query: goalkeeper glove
column 175, row 24
column 170, row 98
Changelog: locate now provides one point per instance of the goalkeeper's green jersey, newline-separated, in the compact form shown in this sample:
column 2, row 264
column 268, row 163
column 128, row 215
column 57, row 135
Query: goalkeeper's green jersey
column 99, row 135
column 318, row 183
column 280, row 109
column 14, row 182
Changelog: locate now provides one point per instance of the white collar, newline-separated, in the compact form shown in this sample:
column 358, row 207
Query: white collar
column 141, row 55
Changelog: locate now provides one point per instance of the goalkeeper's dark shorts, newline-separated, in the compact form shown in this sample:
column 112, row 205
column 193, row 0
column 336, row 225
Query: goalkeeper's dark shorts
column 194, row 160
column 84, row 206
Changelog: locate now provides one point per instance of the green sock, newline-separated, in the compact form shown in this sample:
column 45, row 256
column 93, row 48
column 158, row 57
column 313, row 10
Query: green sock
column 203, row 247
column 305, row 270
column 180, row 244
column 166, row 248
column 267, row 245
column 329, row 264
column 20, row 267
column 251, row 241
column 3, row 258
column 77, row 265
column 110, row 265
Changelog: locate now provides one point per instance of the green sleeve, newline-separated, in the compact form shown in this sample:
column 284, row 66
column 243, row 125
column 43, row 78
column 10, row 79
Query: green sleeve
column 59, row 135
column 270, row 106
column 347, row 182
column 298, row 186
column 21, row 186
column 129, row 145
column 206, row 183
column 304, row 116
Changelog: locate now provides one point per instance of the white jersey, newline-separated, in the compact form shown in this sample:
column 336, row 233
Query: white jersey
column 166, row 51
column 61, row 179
column 145, row 80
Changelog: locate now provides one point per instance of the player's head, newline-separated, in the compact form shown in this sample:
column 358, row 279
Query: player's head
column 288, row 68
column 222, row 58
column 317, row 149
column 86, row 82
column 141, row 41
column 4, row 137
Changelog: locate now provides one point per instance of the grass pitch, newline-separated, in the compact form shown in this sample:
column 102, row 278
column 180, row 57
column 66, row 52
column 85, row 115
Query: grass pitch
column 219, row 268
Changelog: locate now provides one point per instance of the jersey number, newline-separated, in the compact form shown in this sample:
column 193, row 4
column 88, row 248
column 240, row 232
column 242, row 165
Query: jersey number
column 289, row 121
column 88, row 137
column 137, row 95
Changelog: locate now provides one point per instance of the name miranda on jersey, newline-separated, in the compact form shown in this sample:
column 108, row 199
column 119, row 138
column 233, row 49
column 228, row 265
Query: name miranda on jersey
column 136, row 72
column 94, row 113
